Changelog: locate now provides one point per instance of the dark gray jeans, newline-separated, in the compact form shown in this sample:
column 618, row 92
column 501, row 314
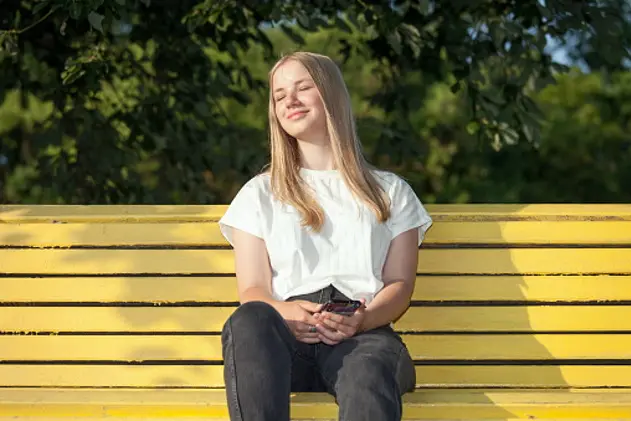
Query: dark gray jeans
column 263, row 363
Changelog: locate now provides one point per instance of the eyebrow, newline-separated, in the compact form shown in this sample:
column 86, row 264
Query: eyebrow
column 295, row 83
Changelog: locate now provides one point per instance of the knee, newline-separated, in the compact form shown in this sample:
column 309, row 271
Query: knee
column 251, row 318
column 369, row 372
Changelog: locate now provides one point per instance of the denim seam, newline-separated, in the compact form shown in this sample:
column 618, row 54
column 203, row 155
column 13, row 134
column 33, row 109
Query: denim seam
column 328, row 382
column 234, row 396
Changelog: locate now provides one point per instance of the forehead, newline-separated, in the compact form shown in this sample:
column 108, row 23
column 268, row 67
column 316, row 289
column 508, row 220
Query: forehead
column 288, row 74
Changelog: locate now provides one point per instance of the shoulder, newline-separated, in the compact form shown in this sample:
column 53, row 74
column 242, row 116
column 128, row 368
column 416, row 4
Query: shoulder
column 389, row 181
column 259, row 181
column 258, row 184
column 254, row 192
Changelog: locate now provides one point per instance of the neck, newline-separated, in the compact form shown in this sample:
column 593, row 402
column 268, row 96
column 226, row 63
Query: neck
column 316, row 155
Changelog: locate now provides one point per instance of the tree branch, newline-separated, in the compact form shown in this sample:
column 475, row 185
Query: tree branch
column 20, row 31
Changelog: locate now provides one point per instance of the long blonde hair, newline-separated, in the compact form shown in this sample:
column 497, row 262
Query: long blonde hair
column 287, row 184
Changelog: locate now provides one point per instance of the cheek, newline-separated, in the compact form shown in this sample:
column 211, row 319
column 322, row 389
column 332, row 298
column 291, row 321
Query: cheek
column 279, row 112
column 314, row 102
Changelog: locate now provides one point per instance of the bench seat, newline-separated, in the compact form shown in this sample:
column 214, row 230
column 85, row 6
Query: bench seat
column 210, row 404
column 519, row 312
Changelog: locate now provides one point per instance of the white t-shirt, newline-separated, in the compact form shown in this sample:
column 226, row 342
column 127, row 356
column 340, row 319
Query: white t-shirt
column 350, row 250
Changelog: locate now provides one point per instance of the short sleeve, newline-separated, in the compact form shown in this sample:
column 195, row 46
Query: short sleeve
column 407, row 211
column 244, row 213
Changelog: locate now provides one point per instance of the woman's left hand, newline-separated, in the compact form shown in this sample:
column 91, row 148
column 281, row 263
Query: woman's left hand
column 334, row 328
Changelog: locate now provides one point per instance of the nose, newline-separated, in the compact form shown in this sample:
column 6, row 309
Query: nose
column 292, row 98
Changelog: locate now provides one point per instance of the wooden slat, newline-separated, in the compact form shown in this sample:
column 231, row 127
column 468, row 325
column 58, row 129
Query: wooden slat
column 566, row 288
column 211, row 404
column 212, row 376
column 111, row 234
column 110, row 213
column 188, row 213
column 208, row 234
column 224, row 289
column 119, row 289
column 519, row 347
column 560, row 212
column 530, row 232
column 516, row 319
column 450, row 261
column 422, row 348
column 416, row 319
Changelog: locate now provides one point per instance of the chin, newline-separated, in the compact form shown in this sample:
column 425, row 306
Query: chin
column 306, row 136
column 304, row 132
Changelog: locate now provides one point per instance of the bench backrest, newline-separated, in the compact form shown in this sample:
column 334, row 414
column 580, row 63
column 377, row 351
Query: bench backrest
column 135, row 296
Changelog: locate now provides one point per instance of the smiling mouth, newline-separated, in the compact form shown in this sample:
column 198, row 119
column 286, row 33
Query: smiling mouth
column 296, row 114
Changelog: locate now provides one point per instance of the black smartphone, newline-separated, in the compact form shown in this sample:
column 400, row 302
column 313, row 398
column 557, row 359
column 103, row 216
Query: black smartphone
column 343, row 307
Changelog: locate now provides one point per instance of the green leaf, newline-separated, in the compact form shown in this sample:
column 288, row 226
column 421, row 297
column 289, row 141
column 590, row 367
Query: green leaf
column 473, row 127
column 146, row 2
column 352, row 17
column 9, row 43
column 40, row 6
column 11, row 111
column 394, row 39
column 39, row 110
column 241, row 97
column 303, row 20
column 72, row 75
column 96, row 20
column 95, row 4
column 121, row 2
column 509, row 135
column 295, row 36
column 75, row 10
column 342, row 25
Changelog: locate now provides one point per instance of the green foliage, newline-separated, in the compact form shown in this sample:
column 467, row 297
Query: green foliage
column 139, row 101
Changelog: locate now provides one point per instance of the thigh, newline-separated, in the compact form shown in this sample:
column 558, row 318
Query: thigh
column 305, row 376
column 377, row 356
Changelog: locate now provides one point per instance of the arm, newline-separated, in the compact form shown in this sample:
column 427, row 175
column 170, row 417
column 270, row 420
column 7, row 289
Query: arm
column 254, row 274
column 399, row 275
column 254, row 283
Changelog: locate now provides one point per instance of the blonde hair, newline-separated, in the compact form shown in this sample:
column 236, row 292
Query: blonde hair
column 287, row 184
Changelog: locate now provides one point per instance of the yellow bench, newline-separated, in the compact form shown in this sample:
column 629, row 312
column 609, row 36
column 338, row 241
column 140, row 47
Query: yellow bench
column 519, row 312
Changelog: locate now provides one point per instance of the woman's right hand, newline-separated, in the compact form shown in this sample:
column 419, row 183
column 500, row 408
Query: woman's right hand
column 299, row 317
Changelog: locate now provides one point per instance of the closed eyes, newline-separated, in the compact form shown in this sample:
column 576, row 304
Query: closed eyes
column 300, row 88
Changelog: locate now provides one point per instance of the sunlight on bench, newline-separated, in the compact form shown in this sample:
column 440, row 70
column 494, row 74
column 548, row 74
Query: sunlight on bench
column 519, row 312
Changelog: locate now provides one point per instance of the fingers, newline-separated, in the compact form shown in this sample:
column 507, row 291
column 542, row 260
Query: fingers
column 311, row 338
column 309, row 306
column 328, row 336
column 327, row 341
column 304, row 332
column 330, row 328
column 336, row 322
column 363, row 306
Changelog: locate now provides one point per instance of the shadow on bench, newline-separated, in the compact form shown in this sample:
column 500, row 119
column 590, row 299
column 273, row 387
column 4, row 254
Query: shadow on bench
column 520, row 311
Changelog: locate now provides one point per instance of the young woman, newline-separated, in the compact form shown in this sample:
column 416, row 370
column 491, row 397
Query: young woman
column 320, row 224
